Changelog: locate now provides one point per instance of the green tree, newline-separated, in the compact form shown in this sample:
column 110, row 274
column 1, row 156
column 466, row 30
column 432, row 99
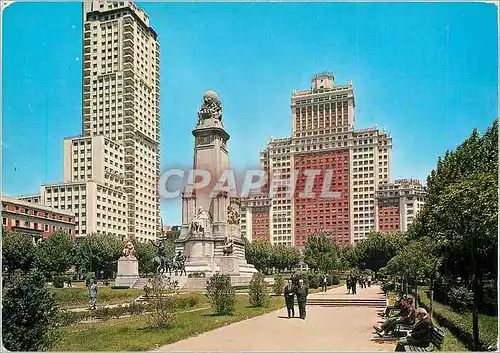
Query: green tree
column 99, row 252
column 321, row 253
column 259, row 253
column 468, row 216
column 18, row 251
column 29, row 313
column 377, row 249
column 461, row 210
column 55, row 254
column 145, row 253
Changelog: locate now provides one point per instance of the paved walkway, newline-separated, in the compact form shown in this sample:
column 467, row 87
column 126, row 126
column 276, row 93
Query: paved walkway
column 325, row 329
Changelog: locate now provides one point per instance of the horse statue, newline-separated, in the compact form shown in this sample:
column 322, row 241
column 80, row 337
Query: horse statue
column 180, row 264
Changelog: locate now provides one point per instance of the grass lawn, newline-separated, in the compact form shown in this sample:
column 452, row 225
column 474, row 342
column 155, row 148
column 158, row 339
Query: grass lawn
column 75, row 297
column 135, row 334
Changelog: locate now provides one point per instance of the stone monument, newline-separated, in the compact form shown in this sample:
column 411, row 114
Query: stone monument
column 128, row 266
column 210, row 236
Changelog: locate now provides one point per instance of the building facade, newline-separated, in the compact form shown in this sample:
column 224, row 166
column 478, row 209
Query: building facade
column 111, row 172
column 35, row 219
column 35, row 198
column 325, row 152
column 398, row 203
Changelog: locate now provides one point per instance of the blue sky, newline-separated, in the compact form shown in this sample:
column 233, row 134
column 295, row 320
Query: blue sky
column 427, row 72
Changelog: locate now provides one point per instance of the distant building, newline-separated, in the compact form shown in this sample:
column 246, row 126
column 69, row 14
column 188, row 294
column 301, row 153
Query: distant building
column 255, row 209
column 35, row 198
column 35, row 219
column 398, row 203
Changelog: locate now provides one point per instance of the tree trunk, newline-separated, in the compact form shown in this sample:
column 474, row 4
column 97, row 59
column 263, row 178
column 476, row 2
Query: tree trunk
column 475, row 308
column 416, row 294
column 432, row 298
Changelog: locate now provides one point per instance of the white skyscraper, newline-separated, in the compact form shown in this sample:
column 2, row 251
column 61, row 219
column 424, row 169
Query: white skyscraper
column 116, row 161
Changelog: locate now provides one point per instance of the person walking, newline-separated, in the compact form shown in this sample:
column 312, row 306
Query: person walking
column 325, row 284
column 93, row 294
column 302, row 291
column 348, row 281
column 289, row 298
column 353, row 284
column 369, row 279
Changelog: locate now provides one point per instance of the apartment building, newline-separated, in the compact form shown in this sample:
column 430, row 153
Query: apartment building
column 35, row 219
column 348, row 163
column 111, row 172
column 398, row 204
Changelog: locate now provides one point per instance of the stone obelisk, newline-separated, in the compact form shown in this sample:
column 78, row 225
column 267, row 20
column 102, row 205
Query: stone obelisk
column 210, row 232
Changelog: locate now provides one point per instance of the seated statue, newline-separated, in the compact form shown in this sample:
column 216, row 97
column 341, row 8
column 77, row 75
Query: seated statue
column 228, row 247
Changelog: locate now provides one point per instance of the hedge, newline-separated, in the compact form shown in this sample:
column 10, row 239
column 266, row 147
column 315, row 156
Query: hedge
column 106, row 313
column 461, row 324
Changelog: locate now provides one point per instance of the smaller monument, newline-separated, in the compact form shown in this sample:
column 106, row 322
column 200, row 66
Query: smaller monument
column 128, row 266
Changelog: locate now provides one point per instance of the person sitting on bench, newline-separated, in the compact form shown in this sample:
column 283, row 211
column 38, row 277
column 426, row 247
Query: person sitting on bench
column 397, row 304
column 420, row 336
column 406, row 316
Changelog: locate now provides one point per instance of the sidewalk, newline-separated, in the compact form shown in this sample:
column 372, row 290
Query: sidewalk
column 325, row 329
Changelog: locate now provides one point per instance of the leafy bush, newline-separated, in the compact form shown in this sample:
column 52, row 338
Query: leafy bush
column 258, row 292
column 490, row 297
column 279, row 284
column 162, row 306
column 300, row 275
column 333, row 280
column 29, row 313
column 58, row 282
column 460, row 299
column 314, row 280
column 221, row 295
column 185, row 302
column 461, row 324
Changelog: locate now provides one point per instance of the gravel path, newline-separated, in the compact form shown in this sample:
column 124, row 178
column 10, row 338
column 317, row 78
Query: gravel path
column 325, row 329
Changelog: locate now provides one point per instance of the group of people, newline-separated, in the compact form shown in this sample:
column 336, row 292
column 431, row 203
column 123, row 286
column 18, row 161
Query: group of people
column 352, row 281
column 419, row 336
column 300, row 291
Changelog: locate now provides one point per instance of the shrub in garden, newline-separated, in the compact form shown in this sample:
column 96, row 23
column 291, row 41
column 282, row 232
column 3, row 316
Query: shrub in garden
column 314, row 280
column 58, row 282
column 300, row 275
column 258, row 292
column 221, row 295
column 29, row 313
column 279, row 284
column 460, row 299
column 161, row 302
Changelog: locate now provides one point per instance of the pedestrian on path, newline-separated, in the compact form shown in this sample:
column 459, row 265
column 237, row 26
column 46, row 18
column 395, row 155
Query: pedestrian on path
column 93, row 294
column 369, row 279
column 289, row 299
column 348, row 281
column 353, row 284
column 325, row 284
column 302, row 292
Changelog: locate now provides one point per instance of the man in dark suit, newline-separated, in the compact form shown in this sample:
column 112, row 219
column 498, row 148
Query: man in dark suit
column 420, row 336
column 302, row 291
column 354, row 282
column 289, row 298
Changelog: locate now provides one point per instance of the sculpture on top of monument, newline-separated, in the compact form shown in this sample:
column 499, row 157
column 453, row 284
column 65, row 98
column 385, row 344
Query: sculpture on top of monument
column 233, row 217
column 128, row 250
column 211, row 107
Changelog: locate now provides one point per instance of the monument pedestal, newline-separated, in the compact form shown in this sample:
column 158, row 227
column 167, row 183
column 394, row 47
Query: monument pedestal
column 128, row 272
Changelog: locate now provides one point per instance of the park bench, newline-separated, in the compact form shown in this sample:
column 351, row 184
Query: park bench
column 437, row 339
